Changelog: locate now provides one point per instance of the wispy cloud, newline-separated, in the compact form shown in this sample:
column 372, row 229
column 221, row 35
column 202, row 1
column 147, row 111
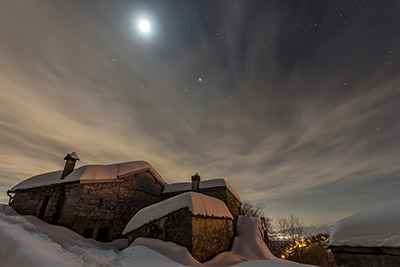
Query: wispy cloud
column 291, row 120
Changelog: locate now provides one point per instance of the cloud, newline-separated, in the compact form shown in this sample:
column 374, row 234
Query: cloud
column 288, row 116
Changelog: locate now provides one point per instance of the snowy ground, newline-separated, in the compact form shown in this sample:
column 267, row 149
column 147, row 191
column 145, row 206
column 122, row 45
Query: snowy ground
column 27, row 241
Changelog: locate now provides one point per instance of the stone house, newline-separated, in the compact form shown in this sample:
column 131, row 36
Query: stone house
column 201, row 223
column 97, row 201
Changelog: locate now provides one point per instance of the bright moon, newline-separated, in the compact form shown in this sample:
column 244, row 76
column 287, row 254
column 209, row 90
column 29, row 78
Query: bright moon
column 144, row 26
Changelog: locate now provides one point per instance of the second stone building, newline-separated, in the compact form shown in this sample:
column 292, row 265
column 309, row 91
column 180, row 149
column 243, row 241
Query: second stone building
column 202, row 224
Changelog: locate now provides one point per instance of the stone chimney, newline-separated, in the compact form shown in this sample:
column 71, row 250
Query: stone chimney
column 195, row 182
column 71, row 159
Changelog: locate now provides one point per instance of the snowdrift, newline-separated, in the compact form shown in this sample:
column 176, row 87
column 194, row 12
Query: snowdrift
column 28, row 241
column 378, row 226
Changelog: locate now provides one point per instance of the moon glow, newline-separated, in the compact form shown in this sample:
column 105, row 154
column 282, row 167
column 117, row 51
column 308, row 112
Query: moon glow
column 144, row 26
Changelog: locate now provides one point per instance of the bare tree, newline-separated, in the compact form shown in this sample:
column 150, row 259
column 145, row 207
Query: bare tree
column 290, row 226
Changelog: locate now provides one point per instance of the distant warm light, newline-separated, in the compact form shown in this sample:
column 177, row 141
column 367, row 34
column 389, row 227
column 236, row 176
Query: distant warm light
column 144, row 26
column 283, row 256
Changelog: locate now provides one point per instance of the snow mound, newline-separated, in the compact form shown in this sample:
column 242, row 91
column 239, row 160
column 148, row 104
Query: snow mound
column 187, row 186
column 90, row 174
column 378, row 226
column 28, row 241
column 171, row 250
column 198, row 204
column 248, row 249
column 140, row 256
column 249, row 242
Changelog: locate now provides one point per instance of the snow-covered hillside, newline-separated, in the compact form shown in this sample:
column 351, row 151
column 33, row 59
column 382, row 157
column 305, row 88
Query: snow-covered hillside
column 378, row 226
column 27, row 241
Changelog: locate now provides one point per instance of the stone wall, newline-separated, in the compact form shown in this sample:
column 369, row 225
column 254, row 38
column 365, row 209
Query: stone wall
column 175, row 227
column 204, row 237
column 233, row 204
column 363, row 256
column 98, row 210
column 92, row 210
column 210, row 237
column 138, row 191
column 108, row 207
column 33, row 201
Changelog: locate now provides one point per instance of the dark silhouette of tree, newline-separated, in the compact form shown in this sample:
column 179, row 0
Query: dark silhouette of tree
column 290, row 226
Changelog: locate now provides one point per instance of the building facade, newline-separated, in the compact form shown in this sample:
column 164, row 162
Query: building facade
column 97, row 201
column 94, row 209
column 201, row 223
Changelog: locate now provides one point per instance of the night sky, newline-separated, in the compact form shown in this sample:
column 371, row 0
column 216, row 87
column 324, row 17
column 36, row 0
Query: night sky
column 295, row 103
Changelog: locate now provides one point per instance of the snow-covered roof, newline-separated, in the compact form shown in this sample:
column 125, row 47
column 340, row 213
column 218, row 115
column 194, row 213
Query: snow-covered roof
column 90, row 174
column 177, row 187
column 198, row 204
column 187, row 186
column 378, row 226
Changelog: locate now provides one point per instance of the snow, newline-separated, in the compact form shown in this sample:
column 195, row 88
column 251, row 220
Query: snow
column 90, row 174
column 198, row 204
column 174, row 251
column 186, row 186
column 377, row 226
column 28, row 241
column 248, row 249
column 177, row 187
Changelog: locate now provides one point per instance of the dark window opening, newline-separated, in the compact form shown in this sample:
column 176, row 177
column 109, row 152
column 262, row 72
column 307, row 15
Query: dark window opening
column 154, row 231
column 87, row 233
column 44, row 207
column 166, row 233
column 102, row 234
column 101, row 201
column 240, row 211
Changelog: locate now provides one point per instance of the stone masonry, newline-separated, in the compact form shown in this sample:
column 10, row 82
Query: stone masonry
column 204, row 237
column 90, row 208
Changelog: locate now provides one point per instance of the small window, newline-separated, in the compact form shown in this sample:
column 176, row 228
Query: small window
column 101, row 201
column 154, row 231
column 88, row 233
column 102, row 234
